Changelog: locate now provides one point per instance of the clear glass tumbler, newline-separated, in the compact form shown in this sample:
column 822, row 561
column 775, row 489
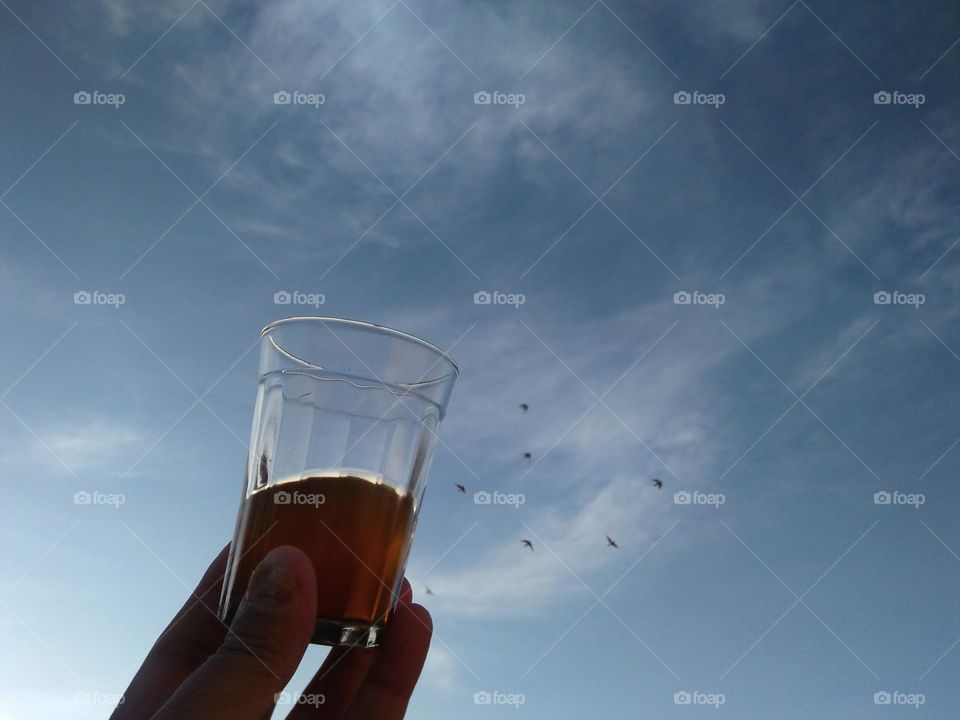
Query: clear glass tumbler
column 344, row 429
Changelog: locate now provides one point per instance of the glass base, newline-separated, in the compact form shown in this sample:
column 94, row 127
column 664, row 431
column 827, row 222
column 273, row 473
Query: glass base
column 346, row 633
column 338, row 633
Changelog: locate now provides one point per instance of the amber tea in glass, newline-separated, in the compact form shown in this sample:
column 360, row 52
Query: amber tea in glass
column 344, row 429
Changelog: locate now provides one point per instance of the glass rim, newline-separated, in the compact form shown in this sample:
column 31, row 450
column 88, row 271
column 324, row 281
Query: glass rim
column 366, row 325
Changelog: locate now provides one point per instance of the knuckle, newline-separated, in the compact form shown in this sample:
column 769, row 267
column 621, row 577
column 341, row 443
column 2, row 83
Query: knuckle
column 255, row 639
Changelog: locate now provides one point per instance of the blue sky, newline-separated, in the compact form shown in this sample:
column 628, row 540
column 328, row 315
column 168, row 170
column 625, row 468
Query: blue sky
column 598, row 198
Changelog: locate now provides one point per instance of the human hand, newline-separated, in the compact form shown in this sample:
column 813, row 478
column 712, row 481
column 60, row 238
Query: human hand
column 200, row 668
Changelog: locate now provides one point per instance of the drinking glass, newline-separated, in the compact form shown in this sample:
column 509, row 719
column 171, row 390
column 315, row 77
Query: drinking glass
column 344, row 429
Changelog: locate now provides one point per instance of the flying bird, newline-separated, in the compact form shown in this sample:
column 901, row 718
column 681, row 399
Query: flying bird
column 657, row 483
column 461, row 488
column 527, row 456
column 524, row 407
column 429, row 591
column 528, row 544
column 611, row 543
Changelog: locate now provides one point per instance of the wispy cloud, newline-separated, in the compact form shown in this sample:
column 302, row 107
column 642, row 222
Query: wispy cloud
column 90, row 444
column 509, row 579
column 599, row 465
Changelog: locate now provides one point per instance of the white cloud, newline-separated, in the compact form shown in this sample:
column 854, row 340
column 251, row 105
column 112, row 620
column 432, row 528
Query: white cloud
column 568, row 542
column 901, row 202
column 399, row 99
column 93, row 444
column 599, row 473
column 122, row 16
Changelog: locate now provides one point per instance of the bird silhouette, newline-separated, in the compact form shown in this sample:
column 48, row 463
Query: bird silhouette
column 461, row 488
column 611, row 543
column 657, row 483
column 429, row 591
column 527, row 456
column 528, row 544
column 524, row 407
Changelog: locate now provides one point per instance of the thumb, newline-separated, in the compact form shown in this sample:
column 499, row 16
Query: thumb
column 263, row 646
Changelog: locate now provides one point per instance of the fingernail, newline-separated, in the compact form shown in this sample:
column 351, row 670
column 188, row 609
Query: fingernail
column 272, row 581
